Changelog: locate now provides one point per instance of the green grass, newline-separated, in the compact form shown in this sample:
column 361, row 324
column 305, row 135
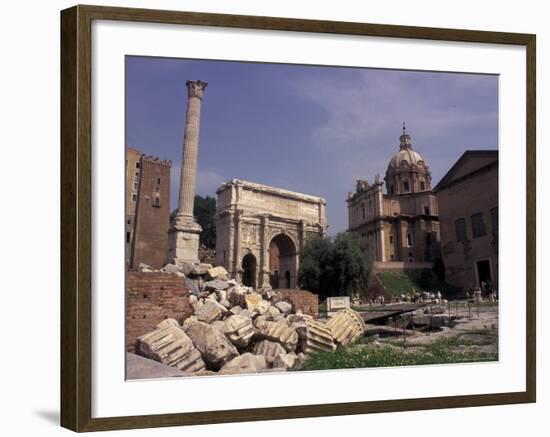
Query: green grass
column 397, row 283
column 367, row 355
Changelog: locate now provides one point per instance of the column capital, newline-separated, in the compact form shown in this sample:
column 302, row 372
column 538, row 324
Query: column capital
column 195, row 88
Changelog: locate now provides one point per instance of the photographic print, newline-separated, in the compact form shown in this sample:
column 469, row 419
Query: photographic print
column 290, row 218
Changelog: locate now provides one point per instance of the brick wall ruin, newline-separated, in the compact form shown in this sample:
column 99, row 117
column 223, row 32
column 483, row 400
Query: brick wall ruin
column 302, row 300
column 151, row 298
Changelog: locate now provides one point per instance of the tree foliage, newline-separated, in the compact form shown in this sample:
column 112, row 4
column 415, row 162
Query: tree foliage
column 204, row 210
column 334, row 266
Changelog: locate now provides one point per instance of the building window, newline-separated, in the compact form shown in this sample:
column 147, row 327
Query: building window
column 127, row 237
column 422, row 185
column 406, row 187
column 158, row 190
column 478, row 227
column 427, row 210
column 135, row 186
column 460, row 229
column 136, row 176
column 409, row 240
column 156, row 203
column 137, row 164
column 391, row 239
column 134, row 197
column 494, row 221
column 129, row 221
column 158, row 181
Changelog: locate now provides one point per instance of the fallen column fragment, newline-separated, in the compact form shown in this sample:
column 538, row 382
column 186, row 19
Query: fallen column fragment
column 314, row 336
column 346, row 326
column 170, row 345
column 239, row 329
column 279, row 331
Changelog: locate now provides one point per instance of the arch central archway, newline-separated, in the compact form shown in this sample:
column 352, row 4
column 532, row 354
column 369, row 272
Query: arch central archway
column 282, row 262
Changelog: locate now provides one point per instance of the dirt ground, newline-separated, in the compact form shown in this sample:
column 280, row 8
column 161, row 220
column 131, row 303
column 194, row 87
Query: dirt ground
column 475, row 331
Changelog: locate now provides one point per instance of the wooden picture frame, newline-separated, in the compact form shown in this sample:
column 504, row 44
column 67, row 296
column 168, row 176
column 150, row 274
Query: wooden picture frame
column 76, row 217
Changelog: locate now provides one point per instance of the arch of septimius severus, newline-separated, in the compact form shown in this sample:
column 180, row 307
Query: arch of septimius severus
column 260, row 230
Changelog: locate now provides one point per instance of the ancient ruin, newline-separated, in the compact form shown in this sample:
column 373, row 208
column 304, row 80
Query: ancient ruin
column 224, row 327
column 261, row 231
column 183, row 236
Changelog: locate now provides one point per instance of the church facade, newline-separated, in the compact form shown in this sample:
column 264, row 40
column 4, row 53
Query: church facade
column 400, row 223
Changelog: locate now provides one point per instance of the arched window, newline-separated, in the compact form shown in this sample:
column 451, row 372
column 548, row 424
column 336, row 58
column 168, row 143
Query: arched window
column 406, row 187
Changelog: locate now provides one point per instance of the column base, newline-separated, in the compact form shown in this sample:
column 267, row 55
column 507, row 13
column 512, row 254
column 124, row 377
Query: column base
column 183, row 240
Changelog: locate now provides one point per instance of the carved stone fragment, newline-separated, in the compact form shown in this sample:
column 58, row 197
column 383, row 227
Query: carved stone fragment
column 215, row 348
column 210, row 311
column 284, row 307
column 216, row 272
column 255, row 303
column 246, row 363
column 169, row 344
column 269, row 349
column 239, row 330
column 288, row 361
column 278, row 331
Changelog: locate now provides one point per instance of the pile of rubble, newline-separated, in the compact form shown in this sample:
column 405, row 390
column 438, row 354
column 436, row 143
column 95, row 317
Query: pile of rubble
column 236, row 329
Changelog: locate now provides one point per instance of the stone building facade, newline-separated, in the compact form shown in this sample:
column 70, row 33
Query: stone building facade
column 261, row 231
column 147, row 209
column 402, row 224
column 468, row 201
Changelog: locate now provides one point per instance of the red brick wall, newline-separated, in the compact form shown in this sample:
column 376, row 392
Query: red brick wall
column 302, row 300
column 151, row 298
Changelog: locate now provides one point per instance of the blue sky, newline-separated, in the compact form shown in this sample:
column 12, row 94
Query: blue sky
column 306, row 128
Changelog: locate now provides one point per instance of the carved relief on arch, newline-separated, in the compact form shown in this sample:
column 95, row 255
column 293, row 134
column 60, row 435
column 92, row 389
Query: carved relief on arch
column 250, row 236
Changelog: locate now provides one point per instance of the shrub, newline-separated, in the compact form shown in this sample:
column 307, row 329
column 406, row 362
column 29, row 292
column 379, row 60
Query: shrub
column 334, row 266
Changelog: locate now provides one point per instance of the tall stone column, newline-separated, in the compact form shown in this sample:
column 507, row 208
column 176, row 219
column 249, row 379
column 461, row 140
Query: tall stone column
column 183, row 235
